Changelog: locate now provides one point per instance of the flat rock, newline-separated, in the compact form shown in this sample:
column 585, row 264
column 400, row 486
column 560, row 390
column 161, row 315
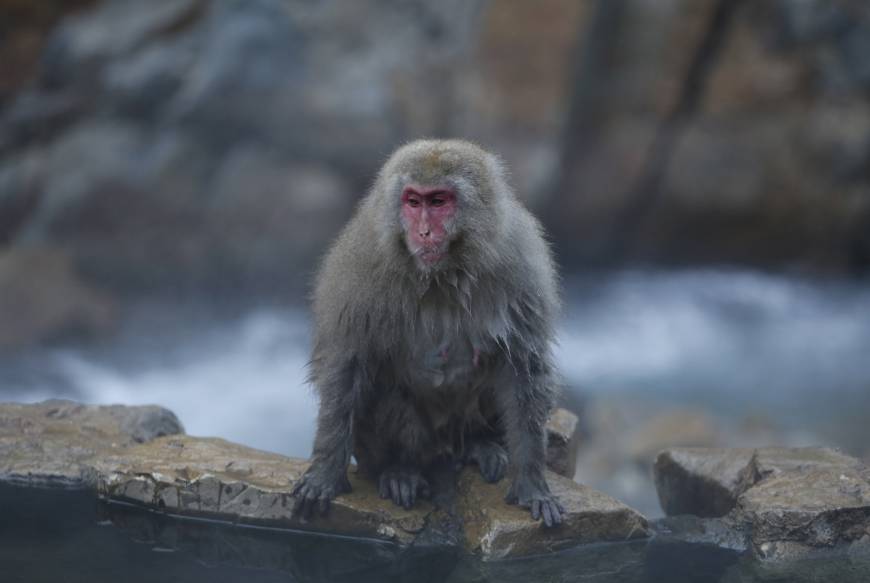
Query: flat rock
column 215, row 478
column 58, row 442
column 140, row 456
column 497, row 530
column 818, row 507
column 773, row 461
column 701, row 481
column 211, row 477
column 788, row 502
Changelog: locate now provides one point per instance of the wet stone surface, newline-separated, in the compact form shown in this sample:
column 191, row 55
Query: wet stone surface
column 140, row 456
column 788, row 503
column 56, row 442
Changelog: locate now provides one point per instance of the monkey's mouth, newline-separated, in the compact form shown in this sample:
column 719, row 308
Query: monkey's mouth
column 431, row 256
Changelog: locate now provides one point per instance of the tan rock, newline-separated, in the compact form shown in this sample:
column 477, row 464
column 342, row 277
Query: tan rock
column 211, row 477
column 787, row 501
column 817, row 507
column 57, row 442
column 773, row 461
column 563, row 441
column 497, row 530
column 137, row 455
column 708, row 481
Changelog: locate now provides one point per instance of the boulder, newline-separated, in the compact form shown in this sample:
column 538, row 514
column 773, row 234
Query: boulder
column 140, row 456
column 701, row 481
column 57, row 442
column 797, row 510
column 788, row 502
column 563, row 441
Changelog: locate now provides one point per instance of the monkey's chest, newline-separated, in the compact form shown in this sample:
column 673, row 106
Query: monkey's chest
column 452, row 342
column 450, row 362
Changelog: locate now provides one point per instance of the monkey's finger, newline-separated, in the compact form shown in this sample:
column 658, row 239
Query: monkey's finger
column 383, row 487
column 310, row 502
column 502, row 466
column 324, row 504
column 497, row 468
column 545, row 513
column 486, row 470
column 490, row 468
column 405, row 492
column 536, row 509
column 555, row 512
column 298, row 503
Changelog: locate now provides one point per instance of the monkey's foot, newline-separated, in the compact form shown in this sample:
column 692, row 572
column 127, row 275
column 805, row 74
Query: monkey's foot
column 317, row 489
column 534, row 494
column 401, row 484
column 491, row 458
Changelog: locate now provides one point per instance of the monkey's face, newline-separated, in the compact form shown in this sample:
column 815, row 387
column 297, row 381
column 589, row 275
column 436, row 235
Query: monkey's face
column 428, row 213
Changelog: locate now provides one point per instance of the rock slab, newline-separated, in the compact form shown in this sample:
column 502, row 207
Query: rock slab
column 496, row 530
column 57, row 442
column 140, row 456
column 788, row 502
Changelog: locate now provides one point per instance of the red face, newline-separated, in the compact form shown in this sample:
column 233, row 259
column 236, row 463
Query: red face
column 426, row 215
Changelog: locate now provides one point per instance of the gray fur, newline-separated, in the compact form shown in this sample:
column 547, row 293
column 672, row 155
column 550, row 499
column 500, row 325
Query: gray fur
column 394, row 344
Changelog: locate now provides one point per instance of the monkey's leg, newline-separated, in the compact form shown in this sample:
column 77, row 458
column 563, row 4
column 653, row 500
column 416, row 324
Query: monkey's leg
column 326, row 477
column 526, row 399
column 491, row 458
column 402, row 484
column 410, row 444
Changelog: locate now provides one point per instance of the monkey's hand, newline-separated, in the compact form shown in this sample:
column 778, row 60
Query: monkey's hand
column 534, row 494
column 401, row 484
column 491, row 459
column 317, row 487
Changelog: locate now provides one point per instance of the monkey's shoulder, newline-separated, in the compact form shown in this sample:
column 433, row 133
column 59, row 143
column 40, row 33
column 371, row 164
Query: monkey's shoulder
column 530, row 270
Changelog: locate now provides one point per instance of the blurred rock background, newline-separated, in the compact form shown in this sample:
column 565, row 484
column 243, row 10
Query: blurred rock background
column 175, row 146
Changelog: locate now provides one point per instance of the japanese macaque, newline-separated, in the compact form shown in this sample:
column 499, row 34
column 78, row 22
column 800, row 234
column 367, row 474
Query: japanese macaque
column 433, row 315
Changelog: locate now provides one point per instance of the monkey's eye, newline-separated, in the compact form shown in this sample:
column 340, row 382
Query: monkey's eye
column 437, row 202
column 413, row 202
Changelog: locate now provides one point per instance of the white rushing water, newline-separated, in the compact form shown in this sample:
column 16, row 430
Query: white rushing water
column 700, row 331
column 717, row 330
column 243, row 381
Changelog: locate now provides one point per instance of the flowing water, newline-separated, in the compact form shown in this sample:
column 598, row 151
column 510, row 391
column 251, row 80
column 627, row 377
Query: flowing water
column 730, row 341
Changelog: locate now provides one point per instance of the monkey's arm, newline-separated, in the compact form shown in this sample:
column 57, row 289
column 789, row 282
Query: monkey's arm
column 340, row 387
column 525, row 401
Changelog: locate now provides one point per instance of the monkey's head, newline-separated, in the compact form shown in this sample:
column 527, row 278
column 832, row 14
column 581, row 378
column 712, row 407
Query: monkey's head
column 439, row 200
